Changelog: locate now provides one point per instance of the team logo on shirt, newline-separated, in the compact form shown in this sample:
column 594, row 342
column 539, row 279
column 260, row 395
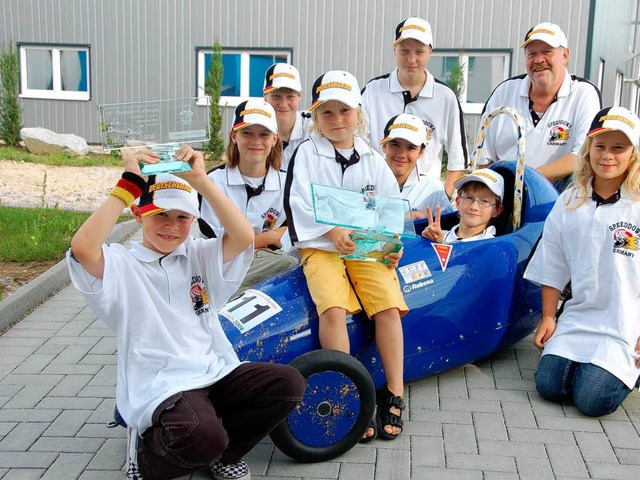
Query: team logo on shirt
column 558, row 132
column 369, row 197
column 430, row 128
column 270, row 217
column 199, row 297
column 624, row 240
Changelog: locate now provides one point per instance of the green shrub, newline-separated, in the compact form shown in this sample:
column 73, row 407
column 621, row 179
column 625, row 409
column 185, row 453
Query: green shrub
column 10, row 109
column 215, row 147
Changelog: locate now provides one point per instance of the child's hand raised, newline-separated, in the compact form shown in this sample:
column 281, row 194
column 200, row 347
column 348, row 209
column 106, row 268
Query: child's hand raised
column 133, row 159
column 195, row 160
column 433, row 231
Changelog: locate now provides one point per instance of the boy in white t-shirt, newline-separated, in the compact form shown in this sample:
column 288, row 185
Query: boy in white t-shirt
column 179, row 381
column 479, row 202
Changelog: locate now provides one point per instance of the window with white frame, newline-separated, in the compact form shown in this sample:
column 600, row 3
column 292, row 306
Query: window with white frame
column 243, row 71
column 58, row 72
column 480, row 70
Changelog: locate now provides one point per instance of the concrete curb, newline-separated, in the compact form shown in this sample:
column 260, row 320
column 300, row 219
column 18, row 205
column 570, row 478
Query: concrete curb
column 29, row 296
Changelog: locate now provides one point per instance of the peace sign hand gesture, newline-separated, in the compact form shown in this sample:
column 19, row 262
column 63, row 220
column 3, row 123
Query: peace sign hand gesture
column 433, row 231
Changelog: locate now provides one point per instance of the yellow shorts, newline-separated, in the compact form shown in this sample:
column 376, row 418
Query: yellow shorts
column 336, row 282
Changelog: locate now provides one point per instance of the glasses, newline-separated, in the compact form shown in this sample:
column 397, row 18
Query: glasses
column 482, row 203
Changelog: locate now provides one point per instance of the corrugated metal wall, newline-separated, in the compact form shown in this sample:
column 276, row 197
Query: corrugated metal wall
column 145, row 49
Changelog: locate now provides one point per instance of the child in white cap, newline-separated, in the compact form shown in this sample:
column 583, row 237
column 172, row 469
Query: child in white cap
column 591, row 352
column 335, row 155
column 282, row 90
column 253, row 180
column 479, row 202
column 404, row 142
column 179, row 381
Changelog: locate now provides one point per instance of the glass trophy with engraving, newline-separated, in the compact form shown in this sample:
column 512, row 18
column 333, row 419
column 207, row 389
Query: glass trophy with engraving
column 160, row 125
column 378, row 222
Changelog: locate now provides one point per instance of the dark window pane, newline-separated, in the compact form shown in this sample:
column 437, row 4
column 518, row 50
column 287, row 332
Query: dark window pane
column 258, row 64
column 39, row 69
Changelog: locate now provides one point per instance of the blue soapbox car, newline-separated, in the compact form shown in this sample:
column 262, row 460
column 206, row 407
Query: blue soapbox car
column 465, row 304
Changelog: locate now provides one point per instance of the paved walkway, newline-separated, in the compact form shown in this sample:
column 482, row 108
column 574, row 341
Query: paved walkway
column 481, row 421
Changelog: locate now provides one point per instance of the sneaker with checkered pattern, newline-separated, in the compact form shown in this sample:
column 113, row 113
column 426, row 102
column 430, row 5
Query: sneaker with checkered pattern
column 232, row 471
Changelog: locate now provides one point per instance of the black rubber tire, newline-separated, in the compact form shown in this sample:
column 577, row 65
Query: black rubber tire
column 317, row 362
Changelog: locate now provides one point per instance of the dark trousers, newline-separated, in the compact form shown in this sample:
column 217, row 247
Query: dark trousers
column 224, row 421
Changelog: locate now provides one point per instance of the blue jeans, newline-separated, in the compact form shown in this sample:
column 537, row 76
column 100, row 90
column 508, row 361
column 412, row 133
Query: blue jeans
column 593, row 390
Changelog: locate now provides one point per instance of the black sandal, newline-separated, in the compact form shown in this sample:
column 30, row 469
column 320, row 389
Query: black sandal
column 373, row 424
column 385, row 400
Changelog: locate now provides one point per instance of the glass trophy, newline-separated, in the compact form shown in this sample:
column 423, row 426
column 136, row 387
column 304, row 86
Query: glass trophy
column 378, row 222
column 158, row 125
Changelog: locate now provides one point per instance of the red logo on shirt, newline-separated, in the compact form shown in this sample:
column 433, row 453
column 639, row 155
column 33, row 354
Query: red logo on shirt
column 199, row 297
column 624, row 242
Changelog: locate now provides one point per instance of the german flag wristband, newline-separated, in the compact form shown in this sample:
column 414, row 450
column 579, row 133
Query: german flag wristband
column 128, row 188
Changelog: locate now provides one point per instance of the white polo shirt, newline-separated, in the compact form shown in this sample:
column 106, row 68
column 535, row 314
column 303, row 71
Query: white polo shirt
column 163, row 310
column 596, row 248
column 263, row 210
column 423, row 191
column 301, row 131
column 561, row 130
column 451, row 236
column 315, row 162
column 437, row 106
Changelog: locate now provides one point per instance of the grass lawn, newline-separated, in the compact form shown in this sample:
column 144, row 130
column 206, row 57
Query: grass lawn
column 37, row 234
column 60, row 159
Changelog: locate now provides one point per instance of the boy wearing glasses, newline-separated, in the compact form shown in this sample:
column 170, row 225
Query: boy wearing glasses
column 479, row 201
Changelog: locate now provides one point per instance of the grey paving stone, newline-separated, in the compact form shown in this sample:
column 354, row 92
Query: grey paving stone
column 518, row 414
column 501, row 476
column 499, row 395
column 544, row 409
column 72, row 354
column 361, row 453
column 7, row 342
column 595, row 447
column 35, row 363
column 546, row 436
column 356, row 471
column 48, row 348
column 32, row 324
column 515, row 384
column 70, row 403
column 91, row 359
column 611, row 471
column 24, row 474
column 567, row 460
column 98, row 392
column 112, row 455
column 97, row 332
column 288, row 468
column 70, row 386
column 505, row 368
column 258, row 458
column 6, row 427
column 67, row 445
column 452, row 385
column 28, row 397
column 431, row 473
column 459, row 439
column 101, row 475
column 427, row 452
column 67, row 424
column 27, row 459
column 67, row 466
column 75, row 327
column 71, row 369
column 17, row 351
column 481, row 462
column 104, row 413
column 105, row 377
column 534, row 468
column 511, row 448
column 478, row 378
column 10, row 390
column 393, row 465
column 26, row 333
column 105, row 346
column 12, row 360
column 468, row 405
column 583, row 424
column 59, row 340
column 22, row 437
column 621, row 434
column 489, row 426
column 27, row 415
column 415, row 428
column 424, row 415
column 37, row 380
column 97, row 430
column 628, row 456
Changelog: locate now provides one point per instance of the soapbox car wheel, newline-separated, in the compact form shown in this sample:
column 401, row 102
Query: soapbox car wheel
column 335, row 411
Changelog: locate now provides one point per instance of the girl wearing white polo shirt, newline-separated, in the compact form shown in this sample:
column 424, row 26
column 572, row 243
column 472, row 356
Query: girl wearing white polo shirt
column 252, row 179
column 590, row 354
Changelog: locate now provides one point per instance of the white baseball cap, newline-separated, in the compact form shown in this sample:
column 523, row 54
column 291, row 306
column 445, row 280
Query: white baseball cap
column 492, row 179
column 165, row 192
column 336, row 85
column 282, row 75
column 619, row 119
column 416, row 28
column 405, row 126
column 255, row 112
column 549, row 33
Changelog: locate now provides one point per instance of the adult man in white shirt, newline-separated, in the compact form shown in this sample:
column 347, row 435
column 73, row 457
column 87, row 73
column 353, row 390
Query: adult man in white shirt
column 556, row 108
column 410, row 88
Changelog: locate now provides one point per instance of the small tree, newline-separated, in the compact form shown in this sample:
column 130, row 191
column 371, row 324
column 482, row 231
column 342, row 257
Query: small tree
column 215, row 147
column 10, row 109
column 456, row 78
